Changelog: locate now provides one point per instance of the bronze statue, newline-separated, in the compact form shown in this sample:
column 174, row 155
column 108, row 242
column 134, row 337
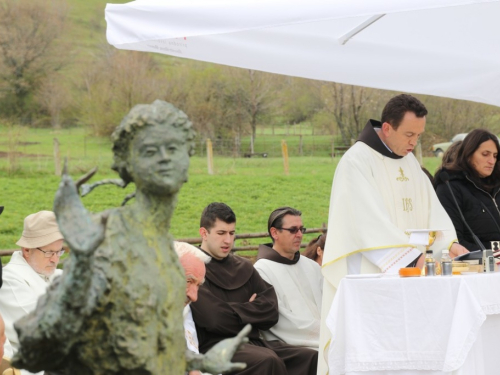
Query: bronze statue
column 117, row 309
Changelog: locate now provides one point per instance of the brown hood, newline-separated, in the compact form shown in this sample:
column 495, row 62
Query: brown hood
column 370, row 137
column 229, row 273
column 266, row 251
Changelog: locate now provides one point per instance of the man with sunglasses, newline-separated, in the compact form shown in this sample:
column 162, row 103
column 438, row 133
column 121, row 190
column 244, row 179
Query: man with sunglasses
column 296, row 279
column 234, row 295
column 30, row 270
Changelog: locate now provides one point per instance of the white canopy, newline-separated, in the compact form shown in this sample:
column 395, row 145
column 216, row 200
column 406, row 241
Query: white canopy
column 447, row 48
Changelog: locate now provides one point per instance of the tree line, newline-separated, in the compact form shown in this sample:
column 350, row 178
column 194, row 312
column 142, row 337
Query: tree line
column 45, row 83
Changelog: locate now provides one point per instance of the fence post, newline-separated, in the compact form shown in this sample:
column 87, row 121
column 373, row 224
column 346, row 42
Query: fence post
column 210, row 157
column 300, row 145
column 284, row 151
column 57, row 158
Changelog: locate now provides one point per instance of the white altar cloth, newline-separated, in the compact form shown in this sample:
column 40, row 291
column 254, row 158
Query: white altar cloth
column 423, row 325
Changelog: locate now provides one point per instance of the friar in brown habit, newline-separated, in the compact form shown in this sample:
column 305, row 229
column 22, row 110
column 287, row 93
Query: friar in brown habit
column 234, row 295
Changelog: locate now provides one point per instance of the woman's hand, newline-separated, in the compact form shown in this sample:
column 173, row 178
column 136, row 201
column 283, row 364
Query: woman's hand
column 456, row 249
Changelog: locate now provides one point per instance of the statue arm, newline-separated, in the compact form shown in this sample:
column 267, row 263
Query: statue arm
column 218, row 359
column 56, row 322
column 83, row 235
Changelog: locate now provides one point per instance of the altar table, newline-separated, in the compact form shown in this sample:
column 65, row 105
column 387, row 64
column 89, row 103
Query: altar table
column 416, row 325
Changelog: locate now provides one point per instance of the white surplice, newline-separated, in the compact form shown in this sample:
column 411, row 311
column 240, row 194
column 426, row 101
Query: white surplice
column 298, row 288
column 190, row 332
column 374, row 200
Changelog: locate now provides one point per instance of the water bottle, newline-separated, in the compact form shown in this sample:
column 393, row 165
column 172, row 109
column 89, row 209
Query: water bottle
column 430, row 265
column 446, row 264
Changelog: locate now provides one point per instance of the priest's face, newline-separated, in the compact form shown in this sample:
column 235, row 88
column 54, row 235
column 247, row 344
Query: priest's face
column 287, row 243
column 218, row 240
column 404, row 139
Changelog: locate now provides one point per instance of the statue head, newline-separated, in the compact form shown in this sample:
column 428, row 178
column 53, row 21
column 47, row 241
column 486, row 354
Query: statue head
column 152, row 146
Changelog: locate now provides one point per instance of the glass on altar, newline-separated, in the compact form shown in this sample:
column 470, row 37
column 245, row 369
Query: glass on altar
column 426, row 237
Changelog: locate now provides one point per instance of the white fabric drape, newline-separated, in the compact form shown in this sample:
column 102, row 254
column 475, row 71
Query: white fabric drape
column 446, row 48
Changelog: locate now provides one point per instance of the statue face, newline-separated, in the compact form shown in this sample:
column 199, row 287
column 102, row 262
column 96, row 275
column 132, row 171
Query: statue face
column 159, row 160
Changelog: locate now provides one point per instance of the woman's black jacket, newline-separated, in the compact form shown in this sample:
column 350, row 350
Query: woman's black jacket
column 480, row 208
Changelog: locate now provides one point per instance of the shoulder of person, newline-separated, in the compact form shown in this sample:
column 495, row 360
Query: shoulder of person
column 310, row 263
column 263, row 265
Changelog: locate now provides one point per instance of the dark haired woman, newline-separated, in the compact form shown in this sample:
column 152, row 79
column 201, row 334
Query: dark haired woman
column 314, row 249
column 474, row 177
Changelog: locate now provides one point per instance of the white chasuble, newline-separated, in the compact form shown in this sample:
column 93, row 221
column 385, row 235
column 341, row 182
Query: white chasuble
column 375, row 199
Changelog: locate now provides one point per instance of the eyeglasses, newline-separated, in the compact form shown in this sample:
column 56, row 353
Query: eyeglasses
column 294, row 230
column 50, row 254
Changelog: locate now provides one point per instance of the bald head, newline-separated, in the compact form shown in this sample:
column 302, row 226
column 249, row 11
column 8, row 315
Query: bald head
column 193, row 261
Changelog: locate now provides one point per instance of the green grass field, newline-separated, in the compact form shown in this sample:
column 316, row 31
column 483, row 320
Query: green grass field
column 252, row 187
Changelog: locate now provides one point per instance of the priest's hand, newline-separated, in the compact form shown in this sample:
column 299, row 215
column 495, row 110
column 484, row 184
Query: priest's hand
column 456, row 249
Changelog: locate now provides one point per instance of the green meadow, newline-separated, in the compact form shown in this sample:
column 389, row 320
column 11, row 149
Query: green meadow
column 252, row 187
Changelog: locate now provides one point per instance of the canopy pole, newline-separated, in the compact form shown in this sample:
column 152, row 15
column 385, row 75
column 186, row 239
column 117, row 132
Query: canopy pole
column 345, row 38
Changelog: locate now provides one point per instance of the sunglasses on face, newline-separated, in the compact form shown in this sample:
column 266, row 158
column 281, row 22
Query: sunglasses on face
column 294, row 230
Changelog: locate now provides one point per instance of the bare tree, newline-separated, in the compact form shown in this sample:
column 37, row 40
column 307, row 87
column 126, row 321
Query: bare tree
column 116, row 82
column 301, row 100
column 28, row 49
column 254, row 95
column 346, row 103
column 54, row 96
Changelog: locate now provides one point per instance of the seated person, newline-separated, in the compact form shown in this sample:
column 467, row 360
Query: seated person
column 315, row 248
column 5, row 353
column 193, row 261
column 234, row 295
column 448, row 157
column 30, row 270
column 474, row 177
column 296, row 279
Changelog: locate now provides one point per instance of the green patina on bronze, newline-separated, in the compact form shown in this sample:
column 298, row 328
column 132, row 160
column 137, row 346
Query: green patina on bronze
column 117, row 309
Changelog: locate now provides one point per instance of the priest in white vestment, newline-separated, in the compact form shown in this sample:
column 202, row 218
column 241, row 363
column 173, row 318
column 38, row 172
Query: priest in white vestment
column 379, row 191
column 296, row 279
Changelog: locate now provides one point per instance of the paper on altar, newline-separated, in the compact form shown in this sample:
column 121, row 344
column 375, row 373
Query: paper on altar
column 421, row 236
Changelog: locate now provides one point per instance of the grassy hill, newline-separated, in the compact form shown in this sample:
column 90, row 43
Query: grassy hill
column 252, row 187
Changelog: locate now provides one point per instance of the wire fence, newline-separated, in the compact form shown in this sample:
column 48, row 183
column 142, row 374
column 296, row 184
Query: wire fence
column 83, row 152
column 270, row 146
column 242, row 249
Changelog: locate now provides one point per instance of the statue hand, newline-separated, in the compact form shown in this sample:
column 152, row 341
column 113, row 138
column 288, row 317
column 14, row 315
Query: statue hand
column 81, row 185
column 218, row 359
column 75, row 223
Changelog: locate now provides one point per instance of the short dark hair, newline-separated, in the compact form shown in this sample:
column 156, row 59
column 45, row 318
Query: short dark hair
column 469, row 145
column 396, row 108
column 216, row 211
column 276, row 218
